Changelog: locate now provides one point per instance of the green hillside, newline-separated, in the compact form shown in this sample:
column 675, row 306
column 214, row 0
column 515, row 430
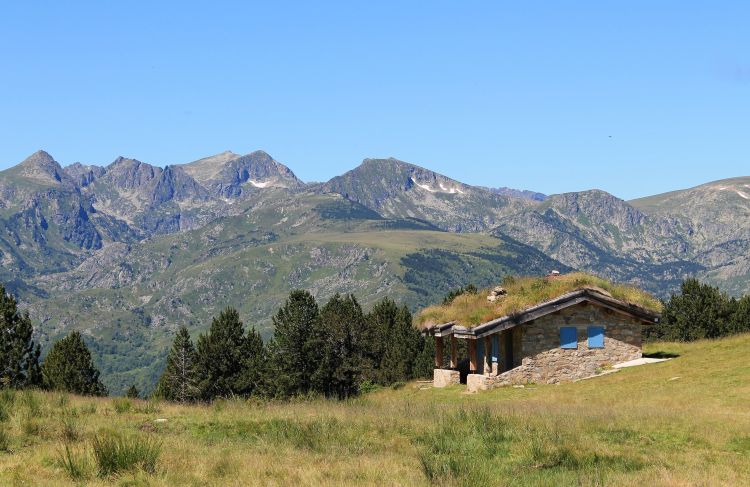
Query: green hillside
column 681, row 422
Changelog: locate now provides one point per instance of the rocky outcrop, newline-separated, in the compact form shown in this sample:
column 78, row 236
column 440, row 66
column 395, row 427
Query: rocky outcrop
column 84, row 175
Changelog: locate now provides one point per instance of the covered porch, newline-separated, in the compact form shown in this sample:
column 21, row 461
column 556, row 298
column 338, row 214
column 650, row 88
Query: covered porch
column 464, row 356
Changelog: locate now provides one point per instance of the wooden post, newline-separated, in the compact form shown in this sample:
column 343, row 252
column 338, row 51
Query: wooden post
column 438, row 352
column 502, row 348
column 495, row 354
column 487, row 354
column 454, row 352
column 473, row 355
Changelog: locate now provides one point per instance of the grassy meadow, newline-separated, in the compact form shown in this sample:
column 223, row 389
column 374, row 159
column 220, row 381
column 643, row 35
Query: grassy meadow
column 676, row 423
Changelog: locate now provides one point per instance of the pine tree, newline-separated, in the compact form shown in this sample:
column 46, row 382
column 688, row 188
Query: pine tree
column 179, row 381
column 395, row 341
column 741, row 315
column 253, row 377
column 224, row 355
column 132, row 392
column 341, row 337
column 19, row 355
column 292, row 349
column 699, row 311
column 424, row 362
column 68, row 367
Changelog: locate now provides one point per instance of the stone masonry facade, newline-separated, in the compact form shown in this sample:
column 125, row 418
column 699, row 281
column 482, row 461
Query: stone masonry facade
column 545, row 362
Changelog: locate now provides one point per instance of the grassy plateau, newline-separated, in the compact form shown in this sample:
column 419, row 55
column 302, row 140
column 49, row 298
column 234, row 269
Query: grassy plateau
column 676, row 423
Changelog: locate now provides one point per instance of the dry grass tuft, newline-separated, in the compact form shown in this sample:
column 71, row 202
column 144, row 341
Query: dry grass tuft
column 525, row 292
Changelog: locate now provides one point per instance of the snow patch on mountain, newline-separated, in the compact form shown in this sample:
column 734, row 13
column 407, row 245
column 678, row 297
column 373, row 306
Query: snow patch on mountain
column 443, row 189
column 259, row 184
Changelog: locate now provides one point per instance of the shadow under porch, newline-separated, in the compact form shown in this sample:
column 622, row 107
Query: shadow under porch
column 456, row 357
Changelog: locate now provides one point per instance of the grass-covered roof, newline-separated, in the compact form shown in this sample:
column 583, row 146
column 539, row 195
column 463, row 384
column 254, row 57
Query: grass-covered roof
column 470, row 310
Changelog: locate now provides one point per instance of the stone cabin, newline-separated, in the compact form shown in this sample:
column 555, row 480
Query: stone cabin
column 564, row 339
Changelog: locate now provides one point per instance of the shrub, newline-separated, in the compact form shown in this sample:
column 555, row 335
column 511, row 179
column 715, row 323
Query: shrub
column 133, row 392
column 367, row 386
column 117, row 453
column 701, row 311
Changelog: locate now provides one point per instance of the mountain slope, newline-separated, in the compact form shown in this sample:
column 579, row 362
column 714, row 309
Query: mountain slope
column 716, row 218
column 130, row 251
column 129, row 298
column 595, row 231
column 46, row 224
column 398, row 189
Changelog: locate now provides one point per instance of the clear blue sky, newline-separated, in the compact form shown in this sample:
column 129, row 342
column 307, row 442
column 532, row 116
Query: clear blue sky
column 520, row 94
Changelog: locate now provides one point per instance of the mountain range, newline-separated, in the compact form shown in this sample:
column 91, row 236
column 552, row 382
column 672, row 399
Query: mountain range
column 127, row 252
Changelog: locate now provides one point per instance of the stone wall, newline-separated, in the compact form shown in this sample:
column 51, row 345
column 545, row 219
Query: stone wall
column 544, row 362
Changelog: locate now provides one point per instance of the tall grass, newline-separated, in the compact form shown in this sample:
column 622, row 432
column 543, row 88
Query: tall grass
column 7, row 399
column 475, row 446
column 116, row 453
column 4, row 440
column 70, row 425
column 122, row 406
column 75, row 464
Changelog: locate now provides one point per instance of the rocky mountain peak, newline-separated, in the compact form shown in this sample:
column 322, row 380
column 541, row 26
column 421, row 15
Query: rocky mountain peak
column 392, row 176
column 175, row 183
column 42, row 168
column 229, row 175
column 128, row 173
column 84, row 174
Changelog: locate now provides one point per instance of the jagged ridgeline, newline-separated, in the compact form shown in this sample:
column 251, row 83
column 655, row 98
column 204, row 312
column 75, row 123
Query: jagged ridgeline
column 127, row 252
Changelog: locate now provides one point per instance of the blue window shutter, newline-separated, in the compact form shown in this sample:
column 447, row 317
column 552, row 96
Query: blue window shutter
column 495, row 348
column 568, row 337
column 596, row 336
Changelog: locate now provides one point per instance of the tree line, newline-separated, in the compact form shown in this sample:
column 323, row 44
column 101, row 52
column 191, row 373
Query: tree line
column 67, row 367
column 701, row 311
column 335, row 350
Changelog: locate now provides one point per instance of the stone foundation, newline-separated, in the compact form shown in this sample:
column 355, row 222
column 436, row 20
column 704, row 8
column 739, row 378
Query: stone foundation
column 445, row 377
column 479, row 382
